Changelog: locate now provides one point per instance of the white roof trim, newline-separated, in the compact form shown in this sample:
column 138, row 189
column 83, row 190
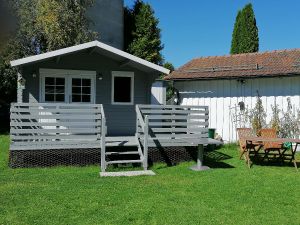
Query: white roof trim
column 76, row 48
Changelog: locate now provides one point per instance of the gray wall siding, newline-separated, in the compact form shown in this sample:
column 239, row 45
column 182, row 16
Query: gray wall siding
column 120, row 118
column 108, row 20
column 32, row 86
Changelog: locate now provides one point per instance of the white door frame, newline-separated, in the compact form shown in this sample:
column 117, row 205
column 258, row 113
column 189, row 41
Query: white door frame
column 68, row 75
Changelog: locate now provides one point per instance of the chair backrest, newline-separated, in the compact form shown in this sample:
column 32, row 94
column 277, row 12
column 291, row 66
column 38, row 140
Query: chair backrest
column 268, row 133
column 243, row 133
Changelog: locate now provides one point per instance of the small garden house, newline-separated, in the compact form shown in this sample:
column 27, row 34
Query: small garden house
column 93, row 96
column 90, row 73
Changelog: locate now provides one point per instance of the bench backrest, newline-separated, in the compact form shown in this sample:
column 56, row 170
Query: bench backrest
column 51, row 125
column 175, row 122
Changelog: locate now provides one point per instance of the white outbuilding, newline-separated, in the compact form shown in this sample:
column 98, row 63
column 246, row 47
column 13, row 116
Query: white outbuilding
column 230, row 84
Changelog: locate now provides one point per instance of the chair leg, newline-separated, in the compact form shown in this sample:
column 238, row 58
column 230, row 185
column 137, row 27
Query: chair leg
column 242, row 153
column 265, row 156
column 248, row 159
column 282, row 155
column 295, row 164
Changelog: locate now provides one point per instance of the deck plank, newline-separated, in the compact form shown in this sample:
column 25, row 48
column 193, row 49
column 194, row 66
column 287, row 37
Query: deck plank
column 127, row 173
column 125, row 141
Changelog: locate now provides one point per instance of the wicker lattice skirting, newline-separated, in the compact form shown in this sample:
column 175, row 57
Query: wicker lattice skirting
column 84, row 157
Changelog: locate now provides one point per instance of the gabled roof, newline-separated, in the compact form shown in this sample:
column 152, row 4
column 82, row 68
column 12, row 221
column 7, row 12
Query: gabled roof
column 265, row 64
column 94, row 44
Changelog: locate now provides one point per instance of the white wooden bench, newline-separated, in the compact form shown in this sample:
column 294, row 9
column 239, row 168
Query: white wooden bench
column 47, row 126
column 169, row 125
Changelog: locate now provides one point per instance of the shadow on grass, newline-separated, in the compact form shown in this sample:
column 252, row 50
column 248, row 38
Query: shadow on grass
column 214, row 159
column 271, row 162
column 4, row 131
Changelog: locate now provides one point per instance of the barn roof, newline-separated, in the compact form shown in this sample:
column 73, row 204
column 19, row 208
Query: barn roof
column 265, row 64
column 96, row 46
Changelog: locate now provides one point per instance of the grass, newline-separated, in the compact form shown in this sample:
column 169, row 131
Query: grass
column 230, row 194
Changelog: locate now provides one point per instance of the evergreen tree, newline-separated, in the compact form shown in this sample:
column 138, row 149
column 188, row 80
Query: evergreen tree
column 245, row 33
column 169, row 66
column 236, row 34
column 170, row 84
column 146, row 38
column 129, row 27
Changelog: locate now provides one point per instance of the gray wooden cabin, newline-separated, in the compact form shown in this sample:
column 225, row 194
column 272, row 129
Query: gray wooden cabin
column 96, row 96
column 99, row 65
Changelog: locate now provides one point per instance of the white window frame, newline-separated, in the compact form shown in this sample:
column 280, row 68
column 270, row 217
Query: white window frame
column 122, row 74
column 68, row 75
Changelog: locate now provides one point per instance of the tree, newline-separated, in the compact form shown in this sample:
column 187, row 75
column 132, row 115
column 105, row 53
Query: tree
column 245, row 33
column 42, row 25
column 146, row 37
column 275, row 121
column 258, row 115
column 63, row 23
column 169, row 66
column 129, row 27
column 236, row 34
column 289, row 123
column 7, row 23
column 170, row 84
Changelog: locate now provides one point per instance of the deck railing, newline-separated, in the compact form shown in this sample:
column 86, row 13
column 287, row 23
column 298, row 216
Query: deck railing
column 38, row 126
column 142, row 127
column 170, row 125
column 103, row 141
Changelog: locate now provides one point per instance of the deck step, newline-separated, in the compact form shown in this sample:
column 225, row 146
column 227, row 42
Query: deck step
column 123, row 153
column 124, row 161
column 127, row 173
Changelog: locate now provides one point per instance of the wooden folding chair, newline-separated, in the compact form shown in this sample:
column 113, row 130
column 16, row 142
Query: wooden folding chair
column 291, row 154
column 269, row 147
column 243, row 134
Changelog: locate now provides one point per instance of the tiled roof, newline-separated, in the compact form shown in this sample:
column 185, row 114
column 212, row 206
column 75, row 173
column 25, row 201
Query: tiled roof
column 274, row 63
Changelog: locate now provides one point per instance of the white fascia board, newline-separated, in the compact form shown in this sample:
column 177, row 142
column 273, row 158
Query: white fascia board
column 80, row 47
column 52, row 54
column 133, row 58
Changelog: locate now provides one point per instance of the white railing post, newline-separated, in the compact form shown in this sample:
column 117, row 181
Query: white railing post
column 137, row 135
column 103, row 134
column 146, row 134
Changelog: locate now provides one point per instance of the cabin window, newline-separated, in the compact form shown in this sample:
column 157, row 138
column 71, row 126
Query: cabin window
column 81, row 90
column 122, row 88
column 54, row 89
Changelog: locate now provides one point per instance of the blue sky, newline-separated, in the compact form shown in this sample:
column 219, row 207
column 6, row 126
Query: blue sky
column 195, row 28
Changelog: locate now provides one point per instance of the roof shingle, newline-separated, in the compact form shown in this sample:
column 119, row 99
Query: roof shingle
column 274, row 63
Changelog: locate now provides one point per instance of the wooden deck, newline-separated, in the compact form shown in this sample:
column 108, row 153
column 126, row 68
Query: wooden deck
column 45, row 126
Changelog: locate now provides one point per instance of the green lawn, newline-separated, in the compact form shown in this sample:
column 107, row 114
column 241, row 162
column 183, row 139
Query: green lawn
column 230, row 194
